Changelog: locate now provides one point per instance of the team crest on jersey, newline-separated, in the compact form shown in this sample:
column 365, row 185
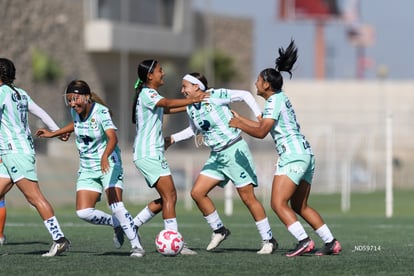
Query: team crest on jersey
column 208, row 107
column 153, row 95
column 93, row 124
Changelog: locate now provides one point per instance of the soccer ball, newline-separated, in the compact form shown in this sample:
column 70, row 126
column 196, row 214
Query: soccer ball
column 169, row 242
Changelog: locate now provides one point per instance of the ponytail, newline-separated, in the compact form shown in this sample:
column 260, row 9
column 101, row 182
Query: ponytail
column 144, row 68
column 287, row 58
column 284, row 63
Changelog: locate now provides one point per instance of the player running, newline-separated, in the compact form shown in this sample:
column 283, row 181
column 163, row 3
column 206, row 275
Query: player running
column 148, row 110
column 100, row 163
column 230, row 157
column 18, row 155
column 296, row 164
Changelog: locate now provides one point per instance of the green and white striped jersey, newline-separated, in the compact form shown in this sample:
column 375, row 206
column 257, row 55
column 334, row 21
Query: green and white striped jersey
column 15, row 136
column 286, row 130
column 91, row 139
column 149, row 140
column 212, row 118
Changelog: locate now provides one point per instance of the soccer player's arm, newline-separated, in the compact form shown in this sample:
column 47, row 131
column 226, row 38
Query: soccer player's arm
column 45, row 133
column 182, row 135
column 46, row 119
column 43, row 116
column 256, row 129
column 247, row 97
column 173, row 110
column 178, row 105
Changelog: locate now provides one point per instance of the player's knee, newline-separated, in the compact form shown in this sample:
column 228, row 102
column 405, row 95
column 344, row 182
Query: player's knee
column 85, row 214
column 278, row 205
column 195, row 195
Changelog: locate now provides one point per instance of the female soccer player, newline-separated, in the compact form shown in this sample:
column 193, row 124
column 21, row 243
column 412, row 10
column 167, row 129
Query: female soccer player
column 148, row 109
column 4, row 176
column 296, row 164
column 18, row 155
column 230, row 157
column 100, row 163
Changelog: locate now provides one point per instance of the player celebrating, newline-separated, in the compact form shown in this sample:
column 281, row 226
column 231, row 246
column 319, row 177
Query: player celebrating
column 295, row 167
column 100, row 163
column 148, row 109
column 18, row 155
column 230, row 157
column 4, row 176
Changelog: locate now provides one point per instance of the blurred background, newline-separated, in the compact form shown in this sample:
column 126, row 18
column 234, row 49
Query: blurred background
column 352, row 86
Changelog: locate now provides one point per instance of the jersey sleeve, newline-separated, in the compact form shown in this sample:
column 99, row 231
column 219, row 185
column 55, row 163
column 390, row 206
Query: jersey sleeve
column 106, row 119
column 42, row 115
column 245, row 96
column 271, row 108
column 150, row 98
column 184, row 134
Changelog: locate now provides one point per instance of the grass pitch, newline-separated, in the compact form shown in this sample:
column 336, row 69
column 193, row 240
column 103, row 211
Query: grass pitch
column 372, row 244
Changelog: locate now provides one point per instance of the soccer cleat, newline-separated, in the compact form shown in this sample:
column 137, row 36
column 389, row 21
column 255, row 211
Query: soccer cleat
column 268, row 246
column 58, row 247
column 302, row 247
column 217, row 238
column 187, row 251
column 333, row 247
column 118, row 238
column 137, row 252
column 3, row 240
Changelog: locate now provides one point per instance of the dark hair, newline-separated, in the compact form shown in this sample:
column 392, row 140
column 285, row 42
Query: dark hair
column 8, row 74
column 201, row 78
column 7, row 71
column 284, row 62
column 78, row 87
column 82, row 88
column 144, row 68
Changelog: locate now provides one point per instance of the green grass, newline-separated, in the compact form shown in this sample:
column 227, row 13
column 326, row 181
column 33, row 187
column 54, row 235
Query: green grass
column 372, row 244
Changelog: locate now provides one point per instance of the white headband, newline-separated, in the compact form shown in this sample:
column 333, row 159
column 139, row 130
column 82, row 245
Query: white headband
column 194, row 80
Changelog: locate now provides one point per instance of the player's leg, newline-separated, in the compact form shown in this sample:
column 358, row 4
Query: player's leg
column 85, row 208
column 149, row 211
column 152, row 168
column 166, row 189
column 283, row 189
column 114, row 196
column 34, row 196
column 269, row 244
column 5, row 185
column 299, row 203
column 199, row 193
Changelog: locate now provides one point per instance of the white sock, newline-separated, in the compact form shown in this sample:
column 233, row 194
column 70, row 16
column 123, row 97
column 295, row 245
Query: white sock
column 297, row 230
column 126, row 222
column 171, row 224
column 143, row 217
column 264, row 229
column 115, row 221
column 214, row 220
column 324, row 233
column 53, row 227
column 95, row 216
